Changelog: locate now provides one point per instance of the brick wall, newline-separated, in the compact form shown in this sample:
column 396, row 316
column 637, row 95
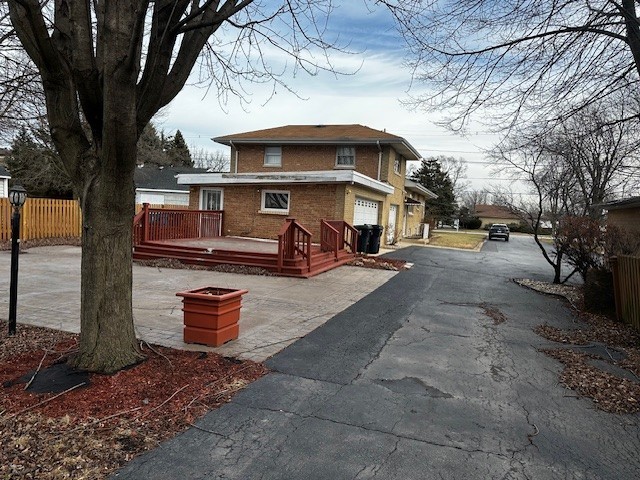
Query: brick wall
column 627, row 219
column 194, row 198
column 308, row 204
column 412, row 224
column 301, row 158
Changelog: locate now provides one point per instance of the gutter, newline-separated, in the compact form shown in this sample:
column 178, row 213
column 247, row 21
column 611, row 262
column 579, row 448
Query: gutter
column 379, row 158
column 236, row 150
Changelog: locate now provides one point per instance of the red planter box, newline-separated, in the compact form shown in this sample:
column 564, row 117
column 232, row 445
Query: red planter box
column 211, row 315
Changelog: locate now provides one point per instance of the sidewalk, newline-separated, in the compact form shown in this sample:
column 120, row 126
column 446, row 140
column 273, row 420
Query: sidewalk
column 276, row 311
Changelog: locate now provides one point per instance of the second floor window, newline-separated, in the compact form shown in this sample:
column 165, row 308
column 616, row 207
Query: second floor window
column 346, row 157
column 273, row 156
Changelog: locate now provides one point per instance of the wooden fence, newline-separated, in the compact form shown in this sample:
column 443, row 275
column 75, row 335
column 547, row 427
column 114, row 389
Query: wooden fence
column 48, row 218
column 626, row 281
column 43, row 218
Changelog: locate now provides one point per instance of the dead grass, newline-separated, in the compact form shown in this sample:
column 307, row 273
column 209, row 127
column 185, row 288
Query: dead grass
column 456, row 240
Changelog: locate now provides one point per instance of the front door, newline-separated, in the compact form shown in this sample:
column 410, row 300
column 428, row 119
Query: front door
column 391, row 228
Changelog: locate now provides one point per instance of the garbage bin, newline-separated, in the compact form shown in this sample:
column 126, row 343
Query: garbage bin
column 374, row 239
column 364, row 233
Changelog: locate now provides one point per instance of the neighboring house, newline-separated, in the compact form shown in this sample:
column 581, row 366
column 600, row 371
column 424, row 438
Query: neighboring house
column 624, row 214
column 309, row 172
column 490, row 214
column 4, row 182
column 159, row 186
column 415, row 200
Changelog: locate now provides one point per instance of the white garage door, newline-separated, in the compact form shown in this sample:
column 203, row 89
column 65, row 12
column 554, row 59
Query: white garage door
column 366, row 211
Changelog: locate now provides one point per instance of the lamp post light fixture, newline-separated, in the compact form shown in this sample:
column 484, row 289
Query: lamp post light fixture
column 17, row 197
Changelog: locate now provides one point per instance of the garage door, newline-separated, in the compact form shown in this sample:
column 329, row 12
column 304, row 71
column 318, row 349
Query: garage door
column 366, row 211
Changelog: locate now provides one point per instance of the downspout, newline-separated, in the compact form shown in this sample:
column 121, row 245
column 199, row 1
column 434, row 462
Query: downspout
column 379, row 158
column 236, row 150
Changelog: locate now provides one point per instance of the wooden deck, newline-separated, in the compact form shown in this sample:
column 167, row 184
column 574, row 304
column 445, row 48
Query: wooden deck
column 173, row 235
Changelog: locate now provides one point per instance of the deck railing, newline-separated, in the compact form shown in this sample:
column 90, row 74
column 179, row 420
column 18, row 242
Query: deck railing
column 293, row 240
column 626, row 282
column 347, row 233
column 152, row 224
column 329, row 238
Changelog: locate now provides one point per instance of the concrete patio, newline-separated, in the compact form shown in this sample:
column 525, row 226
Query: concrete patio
column 276, row 311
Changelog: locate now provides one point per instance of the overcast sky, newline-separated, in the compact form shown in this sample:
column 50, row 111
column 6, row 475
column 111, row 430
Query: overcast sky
column 372, row 96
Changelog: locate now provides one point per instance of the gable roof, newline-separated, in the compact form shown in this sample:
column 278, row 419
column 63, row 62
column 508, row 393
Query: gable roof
column 152, row 177
column 494, row 211
column 4, row 173
column 322, row 134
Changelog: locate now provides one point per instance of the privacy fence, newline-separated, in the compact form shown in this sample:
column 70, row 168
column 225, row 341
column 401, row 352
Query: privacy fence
column 43, row 218
column 626, row 281
column 48, row 218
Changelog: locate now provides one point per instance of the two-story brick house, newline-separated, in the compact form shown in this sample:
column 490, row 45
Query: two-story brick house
column 309, row 172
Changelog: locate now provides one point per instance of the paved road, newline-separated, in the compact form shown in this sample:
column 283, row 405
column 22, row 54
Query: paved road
column 415, row 382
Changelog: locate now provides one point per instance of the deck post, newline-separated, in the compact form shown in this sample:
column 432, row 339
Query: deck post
column 145, row 223
column 290, row 240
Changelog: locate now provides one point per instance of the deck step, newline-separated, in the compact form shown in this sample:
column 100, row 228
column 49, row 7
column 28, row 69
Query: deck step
column 298, row 267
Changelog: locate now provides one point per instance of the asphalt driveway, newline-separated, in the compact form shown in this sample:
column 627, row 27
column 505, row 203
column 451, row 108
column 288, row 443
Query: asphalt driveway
column 414, row 381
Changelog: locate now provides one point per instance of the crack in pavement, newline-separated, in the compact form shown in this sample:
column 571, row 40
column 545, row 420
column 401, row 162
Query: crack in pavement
column 375, row 430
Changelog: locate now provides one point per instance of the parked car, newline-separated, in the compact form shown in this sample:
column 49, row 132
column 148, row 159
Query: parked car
column 499, row 230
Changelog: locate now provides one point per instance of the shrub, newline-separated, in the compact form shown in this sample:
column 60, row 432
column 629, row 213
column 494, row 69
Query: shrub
column 582, row 240
column 470, row 223
column 598, row 291
column 520, row 227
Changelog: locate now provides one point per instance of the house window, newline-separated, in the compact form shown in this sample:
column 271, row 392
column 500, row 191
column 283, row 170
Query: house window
column 346, row 157
column 275, row 201
column 272, row 156
column 211, row 199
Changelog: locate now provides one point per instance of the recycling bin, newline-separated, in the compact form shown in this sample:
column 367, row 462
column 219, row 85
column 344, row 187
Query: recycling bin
column 364, row 233
column 374, row 239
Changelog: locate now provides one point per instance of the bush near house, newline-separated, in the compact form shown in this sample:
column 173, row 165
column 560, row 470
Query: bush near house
column 470, row 223
column 588, row 247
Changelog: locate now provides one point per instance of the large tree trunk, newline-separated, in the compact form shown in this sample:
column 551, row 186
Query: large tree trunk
column 107, row 340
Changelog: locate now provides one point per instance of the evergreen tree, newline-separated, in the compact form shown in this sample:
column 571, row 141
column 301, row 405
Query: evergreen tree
column 178, row 151
column 151, row 147
column 431, row 176
column 35, row 164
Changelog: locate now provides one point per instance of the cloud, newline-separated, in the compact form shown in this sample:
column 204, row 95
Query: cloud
column 369, row 96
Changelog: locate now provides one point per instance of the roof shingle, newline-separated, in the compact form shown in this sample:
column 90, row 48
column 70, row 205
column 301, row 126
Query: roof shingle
column 312, row 132
column 494, row 211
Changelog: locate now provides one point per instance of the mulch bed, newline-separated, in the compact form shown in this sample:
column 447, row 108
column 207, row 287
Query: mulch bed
column 91, row 430
column 609, row 392
column 42, row 242
column 380, row 263
column 225, row 268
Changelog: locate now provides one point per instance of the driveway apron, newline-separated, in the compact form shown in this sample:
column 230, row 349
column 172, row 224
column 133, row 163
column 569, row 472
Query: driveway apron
column 415, row 381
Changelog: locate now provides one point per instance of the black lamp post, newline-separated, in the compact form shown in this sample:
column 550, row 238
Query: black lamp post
column 17, row 197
